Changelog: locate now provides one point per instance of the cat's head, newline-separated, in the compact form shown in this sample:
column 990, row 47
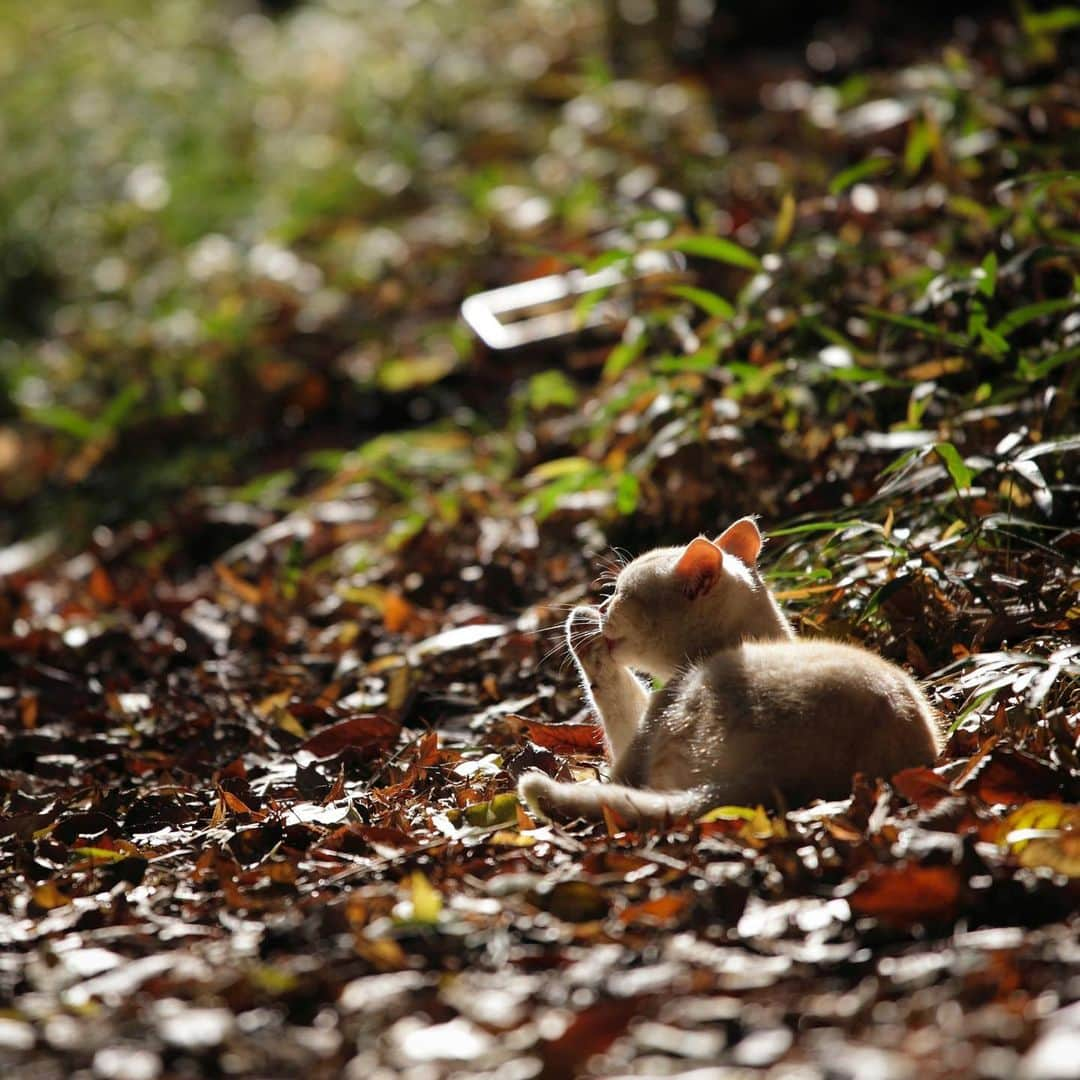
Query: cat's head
column 676, row 604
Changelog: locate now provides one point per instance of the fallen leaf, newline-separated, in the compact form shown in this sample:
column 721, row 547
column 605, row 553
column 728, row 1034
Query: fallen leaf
column 502, row 808
column 574, row 901
column 566, row 738
column 47, row 896
column 591, row 1032
column 1010, row 776
column 660, row 911
column 908, row 893
column 1043, row 833
column 424, row 903
column 358, row 732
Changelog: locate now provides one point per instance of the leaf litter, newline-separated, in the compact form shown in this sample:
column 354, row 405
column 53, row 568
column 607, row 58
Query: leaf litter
column 259, row 744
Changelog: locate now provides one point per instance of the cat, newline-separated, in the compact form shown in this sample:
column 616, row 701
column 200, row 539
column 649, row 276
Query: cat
column 748, row 714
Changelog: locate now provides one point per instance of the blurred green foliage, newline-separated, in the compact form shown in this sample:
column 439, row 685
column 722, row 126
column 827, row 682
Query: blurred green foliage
column 230, row 242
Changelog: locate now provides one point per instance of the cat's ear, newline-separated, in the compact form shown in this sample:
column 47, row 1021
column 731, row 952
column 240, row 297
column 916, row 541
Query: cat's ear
column 743, row 540
column 699, row 567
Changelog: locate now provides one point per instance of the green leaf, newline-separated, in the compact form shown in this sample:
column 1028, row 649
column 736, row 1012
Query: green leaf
column 1023, row 315
column 920, row 139
column 911, row 323
column 557, row 468
column 860, row 375
column 119, row 408
column 1054, row 21
column 903, row 459
column 785, row 220
column 551, row 388
column 810, row 527
column 622, row 356
column 584, row 306
column 993, row 342
column 105, row 855
column 412, row 372
column 61, row 418
column 851, row 176
column 1032, row 370
column 701, row 361
column 715, row 248
column 498, row 811
column 988, row 277
column 959, row 472
column 627, row 493
column 613, row 257
column 709, row 302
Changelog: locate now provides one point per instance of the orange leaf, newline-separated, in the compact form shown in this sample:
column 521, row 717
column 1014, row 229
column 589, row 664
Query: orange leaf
column 907, row 893
column 47, row 896
column 235, row 804
column 101, row 587
column 237, row 585
column 1010, row 777
column 921, row 786
column 567, row 738
column 367, row 729
column 396, row 612
column 660, row 911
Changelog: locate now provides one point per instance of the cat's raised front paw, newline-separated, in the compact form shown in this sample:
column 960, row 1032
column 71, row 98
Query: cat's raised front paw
column 585, row 637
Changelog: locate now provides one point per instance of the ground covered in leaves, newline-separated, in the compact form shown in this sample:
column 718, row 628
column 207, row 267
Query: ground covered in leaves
column 287, row 552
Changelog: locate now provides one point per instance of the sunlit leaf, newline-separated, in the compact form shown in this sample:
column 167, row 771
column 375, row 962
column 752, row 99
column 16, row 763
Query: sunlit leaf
column 623, row 355
column 500, row 809
column 863, row 170
column 551, row 388
column 1055, row 21
column 959, row 472
column 1023, row 315
column 908, row 893
column 716, row 248
column 785, row 220
column 709, row 302
column 627, row 493
column 104, row 855
column 425, row 901
column 988, row 275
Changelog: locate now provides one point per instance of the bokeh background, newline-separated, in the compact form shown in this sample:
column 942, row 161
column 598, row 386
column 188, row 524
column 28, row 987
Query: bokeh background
column 235, row 234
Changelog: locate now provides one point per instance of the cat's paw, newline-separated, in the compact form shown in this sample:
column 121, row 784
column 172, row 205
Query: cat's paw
column 586, row 640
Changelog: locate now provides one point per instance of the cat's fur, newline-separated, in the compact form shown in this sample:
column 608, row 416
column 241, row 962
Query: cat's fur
column 748, row 714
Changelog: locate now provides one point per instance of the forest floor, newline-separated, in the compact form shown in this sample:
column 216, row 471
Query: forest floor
column 286, row 551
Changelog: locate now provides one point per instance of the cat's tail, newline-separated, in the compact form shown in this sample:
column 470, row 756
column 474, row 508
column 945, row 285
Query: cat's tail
column 635, row 806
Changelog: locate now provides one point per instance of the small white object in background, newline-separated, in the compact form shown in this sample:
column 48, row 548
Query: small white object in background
column 545, row 308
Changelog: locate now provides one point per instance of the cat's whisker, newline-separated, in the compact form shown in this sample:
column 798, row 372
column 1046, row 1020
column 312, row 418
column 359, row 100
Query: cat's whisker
column 549, row 629
column 552, row 652
column 610, row 566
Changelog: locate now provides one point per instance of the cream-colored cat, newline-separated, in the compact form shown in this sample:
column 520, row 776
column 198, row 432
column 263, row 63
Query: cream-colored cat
column 748, row 714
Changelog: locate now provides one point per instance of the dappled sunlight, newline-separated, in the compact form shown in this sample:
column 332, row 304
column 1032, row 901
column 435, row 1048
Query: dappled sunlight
column 346, row 349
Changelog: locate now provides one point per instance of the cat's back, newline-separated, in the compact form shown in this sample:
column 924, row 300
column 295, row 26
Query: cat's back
column 814, row 697
column 769, row 680
column 782, row 721
column 803, row 671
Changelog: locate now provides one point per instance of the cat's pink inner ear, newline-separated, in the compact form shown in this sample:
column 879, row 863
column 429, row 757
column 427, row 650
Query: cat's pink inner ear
column 743, row 540
column 699, row 567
